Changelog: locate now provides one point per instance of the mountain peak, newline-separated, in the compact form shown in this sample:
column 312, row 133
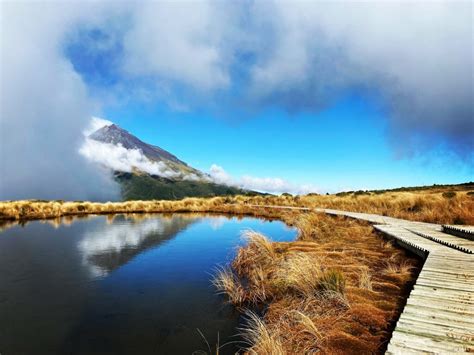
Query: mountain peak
column 179, row 180
column 108, row 132
column 115, row 127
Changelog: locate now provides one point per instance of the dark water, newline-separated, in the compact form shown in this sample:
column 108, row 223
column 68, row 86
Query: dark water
column 122, row 285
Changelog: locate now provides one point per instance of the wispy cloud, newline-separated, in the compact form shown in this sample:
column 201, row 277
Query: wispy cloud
column 266, row 184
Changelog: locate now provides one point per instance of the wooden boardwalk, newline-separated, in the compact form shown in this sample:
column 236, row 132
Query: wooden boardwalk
column 439, row 314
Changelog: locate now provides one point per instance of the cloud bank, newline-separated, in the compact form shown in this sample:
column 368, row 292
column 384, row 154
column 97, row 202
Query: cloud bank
column 179, row 42
column 44, row 107
column 415, row 56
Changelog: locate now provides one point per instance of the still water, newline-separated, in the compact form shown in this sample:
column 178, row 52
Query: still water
column 120, row 284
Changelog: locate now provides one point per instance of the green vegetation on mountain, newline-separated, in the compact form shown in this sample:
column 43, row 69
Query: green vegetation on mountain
column 147, row 187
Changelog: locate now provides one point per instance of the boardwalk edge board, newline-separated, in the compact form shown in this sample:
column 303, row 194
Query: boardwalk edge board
column 459, row 231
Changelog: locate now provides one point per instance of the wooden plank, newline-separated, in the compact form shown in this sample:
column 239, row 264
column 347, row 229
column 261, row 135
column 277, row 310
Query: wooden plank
column 406, row 339
column 436, row 305
column 441, row 318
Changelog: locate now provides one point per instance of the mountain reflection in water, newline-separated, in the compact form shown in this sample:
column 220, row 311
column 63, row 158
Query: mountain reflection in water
column 119, row 284
column 110, row 246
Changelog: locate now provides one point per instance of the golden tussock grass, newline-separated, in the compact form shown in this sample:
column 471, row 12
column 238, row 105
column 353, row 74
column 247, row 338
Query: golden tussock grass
column 437, row 205
column 365, row 279
column 425, row 206
column 299, row 272
column 261, row 247
column 337, row 289
column 260, row 338
column 225, row 281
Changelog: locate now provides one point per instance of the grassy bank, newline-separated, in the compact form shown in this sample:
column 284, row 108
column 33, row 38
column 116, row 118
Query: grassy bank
column 436, row 205
column 338, row 289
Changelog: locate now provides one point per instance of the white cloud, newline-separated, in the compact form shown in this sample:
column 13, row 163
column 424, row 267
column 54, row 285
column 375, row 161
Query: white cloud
column 118, row 158
column 176, row 41
column 266, row 184
column 220, row 176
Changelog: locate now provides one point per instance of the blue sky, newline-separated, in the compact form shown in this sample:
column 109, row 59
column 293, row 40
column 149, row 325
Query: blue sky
column 330, row 95
column 342, row 148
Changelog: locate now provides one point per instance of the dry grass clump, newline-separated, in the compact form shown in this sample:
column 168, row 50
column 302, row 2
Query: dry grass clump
column 330, row 291
column 225, row 281
column 261, row 339
column 261, row 249
column 401, row 269
column 38, row 209
column 294, row 327
column 332, row 281
column 308, row 327
column 301, row 273
column 365, row 279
